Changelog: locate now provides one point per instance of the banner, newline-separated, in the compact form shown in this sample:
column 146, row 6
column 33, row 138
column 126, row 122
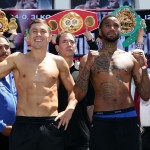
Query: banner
column 26, row 16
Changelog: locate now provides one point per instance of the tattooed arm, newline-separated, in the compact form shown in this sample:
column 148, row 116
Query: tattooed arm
column 81, row 85
column 140, row 75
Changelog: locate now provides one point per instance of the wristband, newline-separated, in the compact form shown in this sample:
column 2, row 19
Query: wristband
column 12, row 41
column 90, row 41
column 139, row 45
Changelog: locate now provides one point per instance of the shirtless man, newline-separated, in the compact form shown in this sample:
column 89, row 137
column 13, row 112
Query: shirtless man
column 115, row 124
column 38, row 125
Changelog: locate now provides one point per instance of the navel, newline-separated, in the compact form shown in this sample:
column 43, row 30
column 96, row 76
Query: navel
column 24, row 76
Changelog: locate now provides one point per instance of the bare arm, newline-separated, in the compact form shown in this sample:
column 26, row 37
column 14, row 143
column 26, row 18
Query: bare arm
column 140, row 75
column 7, row 65
column 140, row 35
column 81, row 85
column 68, row 82
column 144, row 85
column 139, row 44
column 91, row 42
column 88, row 34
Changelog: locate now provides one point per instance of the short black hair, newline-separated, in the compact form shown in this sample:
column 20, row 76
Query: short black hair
column 104, row 18
column 39, row 20
column 61, row 34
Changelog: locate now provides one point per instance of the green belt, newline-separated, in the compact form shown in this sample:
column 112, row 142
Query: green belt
column 127, row 12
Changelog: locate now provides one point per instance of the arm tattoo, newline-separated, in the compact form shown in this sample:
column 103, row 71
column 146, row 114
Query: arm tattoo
column 83, row 80
column 142, row 85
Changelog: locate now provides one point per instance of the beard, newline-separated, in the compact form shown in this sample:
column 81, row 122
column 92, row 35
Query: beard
column 112, row 39
column 109, row 39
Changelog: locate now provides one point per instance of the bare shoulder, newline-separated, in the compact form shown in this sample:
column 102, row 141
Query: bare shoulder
column 13, row 61
column 17, row 56
column 122, row 52
column 60, row 61
column 57, row 58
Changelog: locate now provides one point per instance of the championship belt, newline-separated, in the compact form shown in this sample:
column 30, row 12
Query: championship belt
column 130, row 23
column 12, row 25
column 5, row 25
column 74, row 21
column 3, row 22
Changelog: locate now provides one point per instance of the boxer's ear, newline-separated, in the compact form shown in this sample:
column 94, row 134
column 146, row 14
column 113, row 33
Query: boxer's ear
column 100, row 34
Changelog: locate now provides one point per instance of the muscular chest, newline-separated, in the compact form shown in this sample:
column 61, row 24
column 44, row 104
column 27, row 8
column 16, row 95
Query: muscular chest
column 111, row 64
column 44, row 72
